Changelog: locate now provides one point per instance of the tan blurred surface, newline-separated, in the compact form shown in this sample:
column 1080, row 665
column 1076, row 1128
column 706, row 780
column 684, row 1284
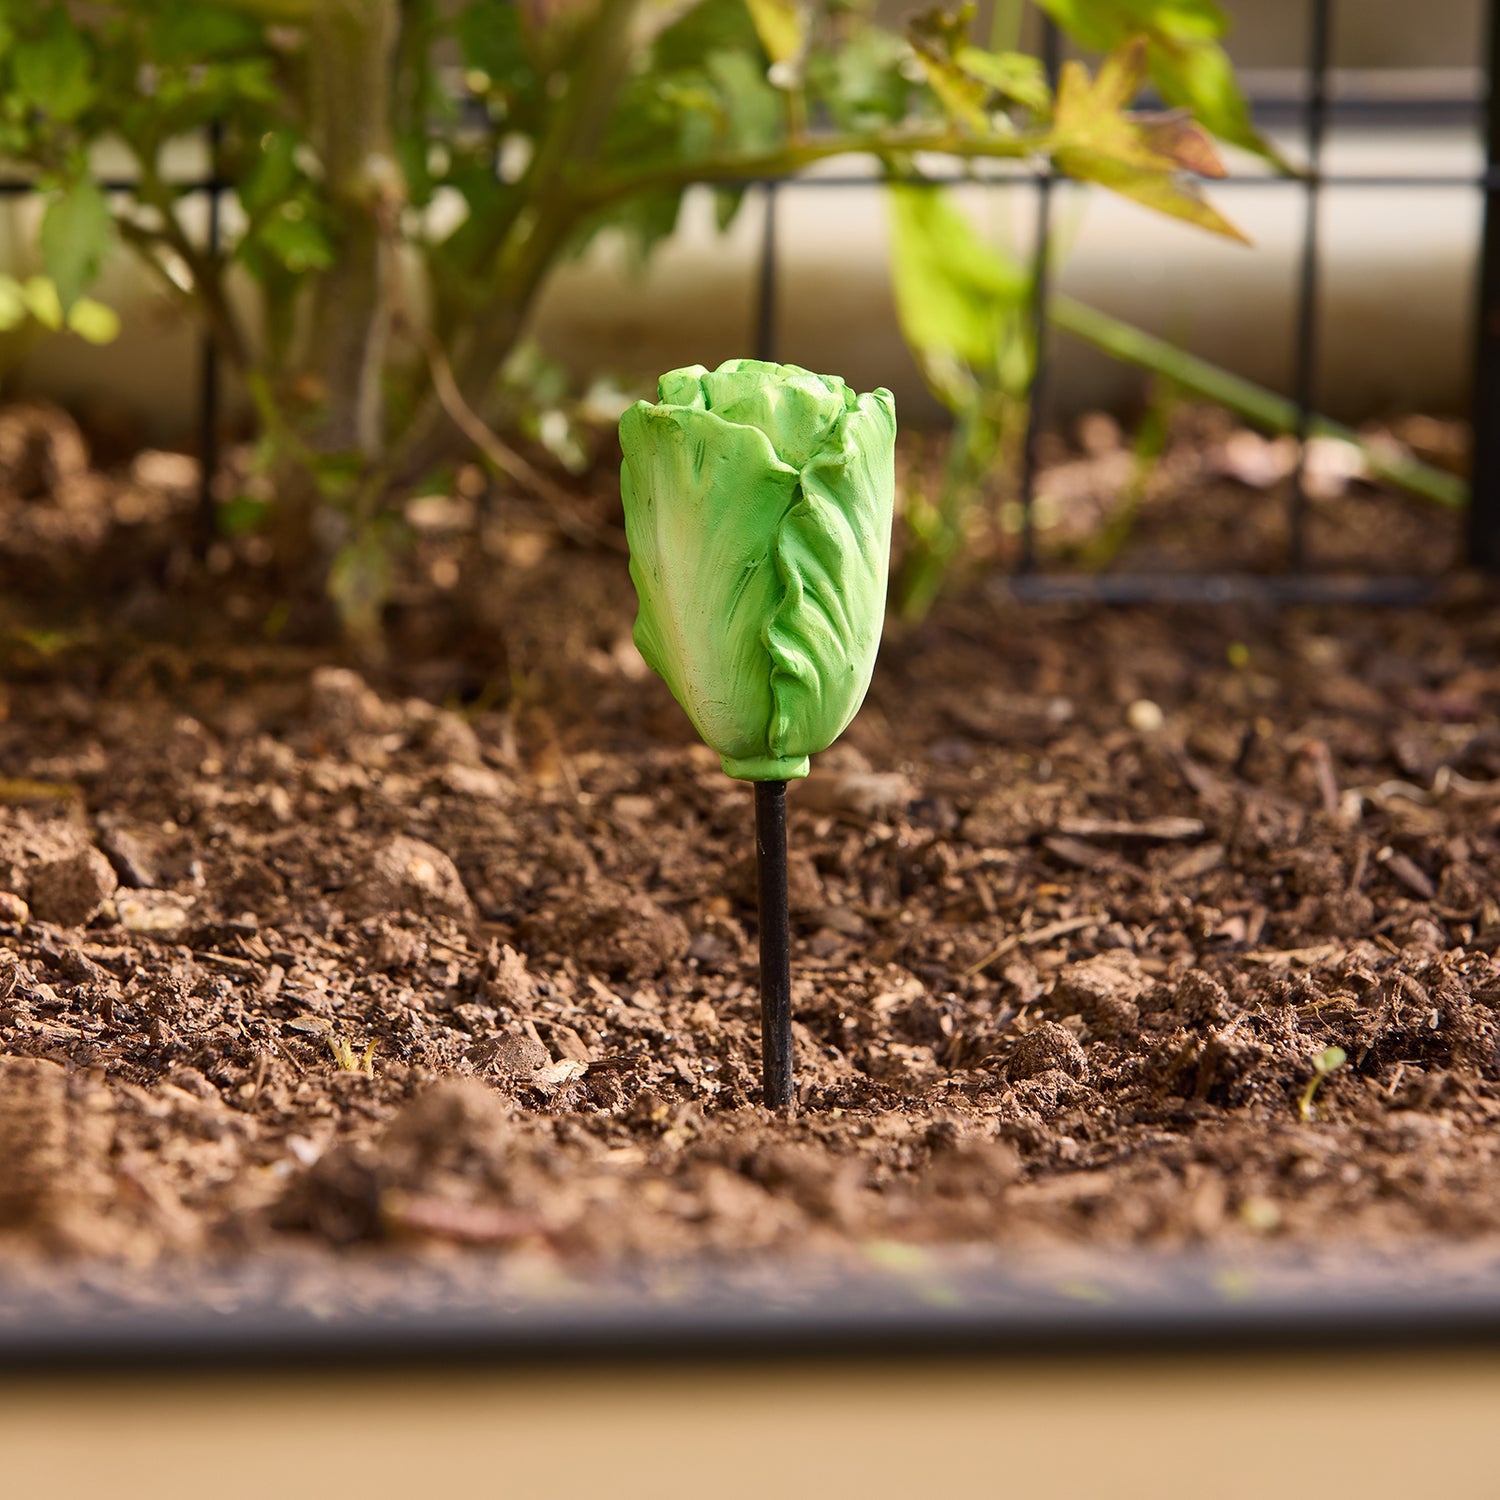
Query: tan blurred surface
column 1370, row 1425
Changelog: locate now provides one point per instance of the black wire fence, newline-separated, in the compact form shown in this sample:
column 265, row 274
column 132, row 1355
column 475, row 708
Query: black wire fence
column 1299, row 582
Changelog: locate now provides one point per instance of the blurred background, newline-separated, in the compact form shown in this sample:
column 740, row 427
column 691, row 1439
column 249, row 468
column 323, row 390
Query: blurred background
column 1395, row 305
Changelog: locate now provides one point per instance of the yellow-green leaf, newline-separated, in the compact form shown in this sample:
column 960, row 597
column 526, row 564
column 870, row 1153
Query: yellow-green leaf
column 970, row 82
column 781, row 27
column 12, row 303
column 1013, row 75
column 1187, row 64
column 1144, row 157
column 42, row 301
column 93, row 322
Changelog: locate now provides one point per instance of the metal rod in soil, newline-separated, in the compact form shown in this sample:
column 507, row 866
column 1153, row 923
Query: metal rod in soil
column 1484, row 505
column 775, row 945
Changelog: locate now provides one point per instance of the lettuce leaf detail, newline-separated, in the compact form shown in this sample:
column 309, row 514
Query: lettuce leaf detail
column 758, row 502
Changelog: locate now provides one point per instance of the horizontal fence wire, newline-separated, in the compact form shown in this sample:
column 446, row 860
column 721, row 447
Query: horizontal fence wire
column 1018, row 177
column 1316, row 108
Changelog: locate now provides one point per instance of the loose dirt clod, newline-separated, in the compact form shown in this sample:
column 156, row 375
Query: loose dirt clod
column 70, row 890
column 407, row 875
column 1046, row 1047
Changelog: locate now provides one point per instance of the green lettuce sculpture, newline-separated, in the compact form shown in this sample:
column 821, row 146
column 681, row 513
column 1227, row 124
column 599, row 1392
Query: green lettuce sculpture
column 758, row 501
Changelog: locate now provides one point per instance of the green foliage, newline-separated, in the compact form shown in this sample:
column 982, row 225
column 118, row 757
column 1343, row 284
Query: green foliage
column 956, row 296
column 36, row 301
column 1187, row 64
column 77, row 232
column 52, row 70
column 1095, row 140
column 352, row 151
column 963, row 306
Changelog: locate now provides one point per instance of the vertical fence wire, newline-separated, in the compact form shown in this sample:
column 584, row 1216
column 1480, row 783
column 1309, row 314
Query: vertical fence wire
column 1320, row 23
column 1040, row 265
column 208, row 364
column 1484, row 466
column 765, row 285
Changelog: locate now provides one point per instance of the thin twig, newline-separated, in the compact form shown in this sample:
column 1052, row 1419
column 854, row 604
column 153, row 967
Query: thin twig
column 494, row 447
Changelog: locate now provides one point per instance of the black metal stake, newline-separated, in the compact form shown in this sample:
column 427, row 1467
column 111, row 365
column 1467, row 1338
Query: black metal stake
column 208, row 369
column 1040, row 263
column 1484, row 495
column 775, row 945
column 1321, row 23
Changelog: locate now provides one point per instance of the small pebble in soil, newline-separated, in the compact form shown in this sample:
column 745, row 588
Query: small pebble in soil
column 1144, row 716
column 156, row 914
column 13, row 909
column 1049, row 1046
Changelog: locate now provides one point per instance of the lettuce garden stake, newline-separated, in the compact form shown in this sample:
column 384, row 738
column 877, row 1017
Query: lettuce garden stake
column 758, row 503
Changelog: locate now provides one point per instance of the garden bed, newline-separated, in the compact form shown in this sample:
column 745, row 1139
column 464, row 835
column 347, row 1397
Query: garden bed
column 458, row 952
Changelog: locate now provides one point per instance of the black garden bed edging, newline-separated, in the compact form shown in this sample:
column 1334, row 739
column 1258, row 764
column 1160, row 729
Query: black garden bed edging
column 935, row 1306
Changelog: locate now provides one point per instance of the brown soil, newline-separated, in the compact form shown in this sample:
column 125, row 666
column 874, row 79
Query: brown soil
column 292, row 956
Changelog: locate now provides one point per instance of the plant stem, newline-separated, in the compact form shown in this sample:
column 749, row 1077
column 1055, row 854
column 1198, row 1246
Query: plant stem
column 352, row 61
column 532, row 241
column 1257, row 405
column 778, row 1085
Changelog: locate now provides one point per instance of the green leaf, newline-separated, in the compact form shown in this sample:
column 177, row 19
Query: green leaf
column 1202, row 79
column 490, row 40
column 751, row 107
column 1186, row 62
column 53, row 71
column 954, row 293
column 295, row 240
column 243, row 515
column 971, row 83
column 1013, row 75
column 861, row 82
column 193, row 31
column 937, row 37
column 76, row 232
column 711, row 26
column 270, row 179
column 1140, row 157
column 360, row 580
